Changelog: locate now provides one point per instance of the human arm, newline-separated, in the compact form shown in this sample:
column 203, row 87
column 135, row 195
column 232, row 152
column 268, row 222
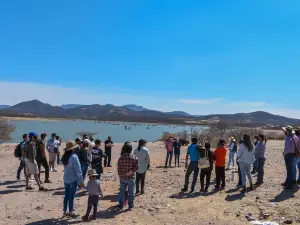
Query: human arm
column 148, row 159
column 240, row 152
column 187, row 157
column 77, row 168
column 135, row 166
column 99, row 189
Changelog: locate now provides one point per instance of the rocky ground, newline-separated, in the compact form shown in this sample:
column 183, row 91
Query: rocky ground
column 163, row 202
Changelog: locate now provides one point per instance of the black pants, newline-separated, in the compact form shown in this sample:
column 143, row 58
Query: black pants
column 140, row 177
column 240, row 183
column 205, row 173
column 107, row 159
column 43, row 162
column 193, row 167
column 220, row 176
column 92, row 202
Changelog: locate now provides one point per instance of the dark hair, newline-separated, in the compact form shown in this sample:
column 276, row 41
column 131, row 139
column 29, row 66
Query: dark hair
column 91, row 138
column 256, row 137
column 247, row 141
column 123, row 148
column 57, row 137
column 66, row 156
column 297, row 132
column 207, row 145
column 222, row 142
column 43, row 135
column 194, row 140
column 127, row 148
column 241, row 141
column 264, row 138
column 53, row 135
column 85, row 145
column 77, row 140
column 97, row 142
column 25, row 135
column 141, row 143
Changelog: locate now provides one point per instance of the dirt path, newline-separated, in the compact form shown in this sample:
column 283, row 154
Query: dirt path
column 162, row 204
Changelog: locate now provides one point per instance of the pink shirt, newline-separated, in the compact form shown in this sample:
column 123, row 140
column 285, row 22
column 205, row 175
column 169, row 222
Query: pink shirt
column 169, row 145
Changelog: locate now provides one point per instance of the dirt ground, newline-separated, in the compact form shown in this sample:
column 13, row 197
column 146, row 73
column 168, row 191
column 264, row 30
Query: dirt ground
column 163, row 202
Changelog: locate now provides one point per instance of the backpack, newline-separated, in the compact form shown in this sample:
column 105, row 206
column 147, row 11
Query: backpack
column 18, row 151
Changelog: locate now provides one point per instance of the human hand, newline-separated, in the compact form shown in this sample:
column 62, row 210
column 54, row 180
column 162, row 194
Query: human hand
column 101, row 195
column 186, row 165
column 81, row 185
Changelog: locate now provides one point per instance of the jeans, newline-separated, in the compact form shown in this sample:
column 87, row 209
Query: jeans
column 289, row 158
column 140, row 177
column 231, row 158
column 192, row 167
column 168, row 158
column 240, row 183
column 260, row 169
column 70, row 190
column 245, row 171
column 220, row 176
column 43, row 162
column 124, row 184
column 254, row 169
column 296, row 164
column 21, row 167
column 107, row 159
column 205, row 173
column 84, row 169
column 177, row 156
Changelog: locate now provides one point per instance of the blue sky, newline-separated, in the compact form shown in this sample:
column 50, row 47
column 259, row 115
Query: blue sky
column 208, row 56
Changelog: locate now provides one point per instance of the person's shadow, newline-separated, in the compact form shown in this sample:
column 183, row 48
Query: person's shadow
column 285, row 195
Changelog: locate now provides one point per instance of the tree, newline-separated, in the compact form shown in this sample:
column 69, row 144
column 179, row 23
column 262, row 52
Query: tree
column 6, row 128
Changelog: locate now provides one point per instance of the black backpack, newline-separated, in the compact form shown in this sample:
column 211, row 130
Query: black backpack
column 18, row 151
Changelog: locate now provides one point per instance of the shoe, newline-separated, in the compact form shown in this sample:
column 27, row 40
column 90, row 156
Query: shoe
column 120, row 207
column 192, row 190
column 65, row 214
column 126, row 202
column 94, row 217
column 131, row 207
column 244, row 189
column 85, row 218
column 217, row 188
column 109, row 166
column 201, row 190
column 283, row 184
column 142, row 192
column 205, row 190
column 48, row 182
column 253, row 172
column 137, row 192
column 184, row 189
column 251, row 187
column 43, row 189
column 73, row 215
column 51, row 170
column 41, row 182
column 29, row 188
column 223, row 188
column 54, row 170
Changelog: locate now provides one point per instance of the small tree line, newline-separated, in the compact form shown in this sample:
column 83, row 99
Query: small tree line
column 6, row 128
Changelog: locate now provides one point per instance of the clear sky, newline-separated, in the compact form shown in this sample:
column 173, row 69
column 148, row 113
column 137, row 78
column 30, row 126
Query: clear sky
column 208, row 56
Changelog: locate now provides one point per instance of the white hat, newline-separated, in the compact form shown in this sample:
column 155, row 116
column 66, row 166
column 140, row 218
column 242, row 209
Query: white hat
column 288, row 128
column 92, row 172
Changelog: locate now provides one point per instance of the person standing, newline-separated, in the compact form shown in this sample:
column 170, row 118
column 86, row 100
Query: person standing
column 177, row 146
column 232, row 152
column 246, row 159
column 22, row 160
column 108, row 146
column 97, row 156
column 296, row 163
column 194, row 156
column 58, row 149
column 128, row 164
column 289, row 154
column 240, row 183
column 169, row 148
column 220, row 155
column 84, row 158
column 72, row 178
column 254, row 166
column 142, row 153
column 259, row 154
column 30, row 161
column 52, row 147
column 206, row 172
column 41, row 157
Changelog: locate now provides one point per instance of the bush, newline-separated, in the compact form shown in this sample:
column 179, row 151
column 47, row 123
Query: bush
column 6, row 128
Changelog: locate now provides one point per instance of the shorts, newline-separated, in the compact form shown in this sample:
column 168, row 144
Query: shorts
column 52, row 156
column 31, row 167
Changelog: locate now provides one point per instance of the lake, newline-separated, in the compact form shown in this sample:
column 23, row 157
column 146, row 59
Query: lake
column 120, row 132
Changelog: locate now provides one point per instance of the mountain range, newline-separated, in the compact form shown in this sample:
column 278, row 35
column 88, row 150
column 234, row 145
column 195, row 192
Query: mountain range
column 134, row 113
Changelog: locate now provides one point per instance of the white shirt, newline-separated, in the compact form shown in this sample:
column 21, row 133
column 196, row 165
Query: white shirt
column 144, row 159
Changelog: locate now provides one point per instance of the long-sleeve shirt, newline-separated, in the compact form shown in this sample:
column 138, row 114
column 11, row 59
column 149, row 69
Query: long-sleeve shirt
column 94, row 187
column 144, row 159
column 245, row 156
column 127, row 162
column 289, row 146
column 83, row 155
column 177, row 145
column 260, row 150
column 169, row 145
column 72, row 171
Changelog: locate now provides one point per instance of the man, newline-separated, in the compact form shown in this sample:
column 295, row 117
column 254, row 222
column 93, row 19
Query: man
column 169, row 148
column 52, row 147
column 177, row 146
column 22, row 160
column 289, row 154
column 194, row 156
column 296, row 163
column 128, row 164
column 97, row 155
column 41, row 158
column 108, row 145
column 254, row 167
column 58, row 149
column 220, row 155
column 206, row 172
column 30, row 161
column 232, row 152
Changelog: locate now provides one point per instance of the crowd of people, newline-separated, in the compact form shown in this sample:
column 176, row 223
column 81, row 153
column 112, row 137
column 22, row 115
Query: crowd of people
column 84, row 156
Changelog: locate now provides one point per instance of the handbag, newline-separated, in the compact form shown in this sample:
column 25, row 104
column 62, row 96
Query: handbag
column 204, row 163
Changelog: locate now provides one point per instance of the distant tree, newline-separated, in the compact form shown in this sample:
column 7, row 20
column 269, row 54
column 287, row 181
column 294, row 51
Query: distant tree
column 6, row 128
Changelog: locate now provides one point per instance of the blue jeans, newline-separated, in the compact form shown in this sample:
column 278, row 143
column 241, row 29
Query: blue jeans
column 70, row 190
column 260, row 169
column 168, row 158
column 21, row 167
column 84, row 169
column 231, row 158
column 124, row 184
column 289, row 159
column 193, row 167
column 245, row 171
column 296, row 164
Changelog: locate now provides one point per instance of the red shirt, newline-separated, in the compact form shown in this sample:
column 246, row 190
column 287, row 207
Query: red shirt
column 220, row 154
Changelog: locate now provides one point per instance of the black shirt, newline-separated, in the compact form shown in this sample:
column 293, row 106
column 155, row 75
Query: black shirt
column 97, row 155
column 108, row 149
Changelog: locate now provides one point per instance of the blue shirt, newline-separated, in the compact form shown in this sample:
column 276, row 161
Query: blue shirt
column 193, row 152
column 72, row 171
column 51, row 145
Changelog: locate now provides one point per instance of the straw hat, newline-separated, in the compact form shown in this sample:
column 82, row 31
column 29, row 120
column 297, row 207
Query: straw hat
column 288, row 128
column 70, row 146
column 231, row 139
column 92, row 172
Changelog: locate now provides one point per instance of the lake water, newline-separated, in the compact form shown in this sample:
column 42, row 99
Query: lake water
column 68, row 129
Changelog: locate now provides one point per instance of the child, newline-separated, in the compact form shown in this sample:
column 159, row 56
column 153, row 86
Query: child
column 94, row 190
column 220, row 154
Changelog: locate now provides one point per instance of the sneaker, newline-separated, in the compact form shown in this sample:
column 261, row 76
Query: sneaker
column 201, row 190
column 192, row 190
column 184, row 189
column 43, row 189
column 85, row 218
column 126, row 202
column 29, row 188
column 54, row 170
column 137, row 192
column 48, row 182
column 73, row 215
column 51, row 170
column 205, row 190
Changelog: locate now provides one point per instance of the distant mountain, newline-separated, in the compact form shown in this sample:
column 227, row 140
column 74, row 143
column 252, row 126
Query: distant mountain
column 4, row 106
column 136, row 108
column 70, row 106
column 179, row 113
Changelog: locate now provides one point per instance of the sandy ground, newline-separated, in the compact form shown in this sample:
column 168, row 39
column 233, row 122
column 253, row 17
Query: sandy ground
column 163, row 202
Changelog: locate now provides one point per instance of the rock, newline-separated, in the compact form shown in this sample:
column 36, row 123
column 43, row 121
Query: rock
column 150, row 210
column 288, row 222
column 257, row 198
column 38, row 208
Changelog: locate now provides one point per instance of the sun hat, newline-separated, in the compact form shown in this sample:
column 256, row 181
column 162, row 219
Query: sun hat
column 92, row 172
column 70, row 145
column 297, row 128
column 288, row 128
column 231, row 139
column 87, row 141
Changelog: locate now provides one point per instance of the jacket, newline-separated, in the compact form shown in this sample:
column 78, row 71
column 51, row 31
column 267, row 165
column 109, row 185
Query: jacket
column 245, row 156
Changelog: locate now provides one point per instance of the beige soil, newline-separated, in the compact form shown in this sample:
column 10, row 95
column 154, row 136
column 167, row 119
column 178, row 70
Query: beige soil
column 162, row 204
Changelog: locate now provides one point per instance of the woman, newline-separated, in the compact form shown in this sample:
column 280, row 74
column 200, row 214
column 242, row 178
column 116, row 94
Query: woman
column 246, row 159
column 240, row 184
column 142, row 153
column 177, row 146
column 260, row 150
column 72, row 177
column 254, row 169
column 126, row 192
